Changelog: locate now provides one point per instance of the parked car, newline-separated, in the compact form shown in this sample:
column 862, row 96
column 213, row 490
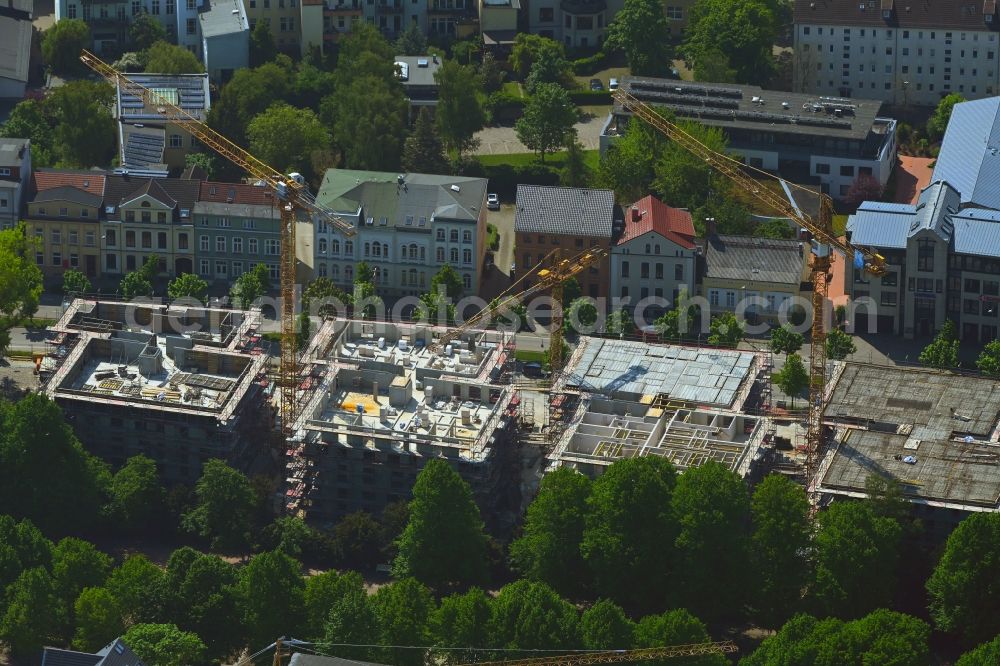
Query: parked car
column 493, row 201
column 595, row 84
column 613, row 84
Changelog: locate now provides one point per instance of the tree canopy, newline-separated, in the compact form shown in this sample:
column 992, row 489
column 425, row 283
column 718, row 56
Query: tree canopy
column 403, row 610
column 62, row 44
column 20, row 277
column 262, row 46
column 793, row 378
column 286, row 138
column 225, row 507
column 745, row 33
column 145, row 31
column 271, row 591
column 725, row 330
column 423, row 151
column 641, row 31
column 84, row 131
column 938, row 122
column 459, row 112
column 988, row 361
column 530, row 615
column 839, row 345
column 942, row 352
column 164, row 644
column 166, row 58
column 188, row 285
column 785, row 341
column 548, row 119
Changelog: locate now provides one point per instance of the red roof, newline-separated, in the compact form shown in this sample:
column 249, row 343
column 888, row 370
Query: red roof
column 91, row 182
column 236, row 193
column 654, row 215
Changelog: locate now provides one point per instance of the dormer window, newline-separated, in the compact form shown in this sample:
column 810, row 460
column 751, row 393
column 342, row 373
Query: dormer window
column 145, row 204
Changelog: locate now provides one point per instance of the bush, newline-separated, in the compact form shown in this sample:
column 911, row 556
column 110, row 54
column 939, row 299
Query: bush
column 590, row 65
column 504, row 178
column 504, row 106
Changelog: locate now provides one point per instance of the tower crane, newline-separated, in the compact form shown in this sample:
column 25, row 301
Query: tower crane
column 824, row 242
column 291, row 191
column 552, row 271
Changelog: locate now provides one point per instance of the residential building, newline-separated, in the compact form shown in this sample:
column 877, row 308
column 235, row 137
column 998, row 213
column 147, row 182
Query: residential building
column 63, row 214
column 110, row 21
column 655, row 255
column 758, row 277
column 338, row 18
column 943, row 253
column 312, row 25
column 115, row 654
column 455, row 19
column 408, row 226
column 498, row 22
column 143, row 217
column 15, row 48
column 148, row 144
column 180, row 385
column 15, row 176
column 283, row 17
column 382, row 405
column 575, row 23
column 392, row 16
column 417, row 73
column 934, row 432
column 898, row 51
column 805, row 138
column 225, row 38
column 237, row 226
column 677, row 15
column 569, row 220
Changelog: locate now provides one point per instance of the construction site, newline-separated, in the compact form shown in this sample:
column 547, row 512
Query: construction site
column 181, row 385
column 377, row 402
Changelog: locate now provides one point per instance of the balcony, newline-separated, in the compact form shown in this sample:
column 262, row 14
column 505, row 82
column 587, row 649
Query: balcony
column 386, row 8
column 583, row 7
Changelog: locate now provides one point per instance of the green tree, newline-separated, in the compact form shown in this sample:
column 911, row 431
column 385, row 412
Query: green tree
column 713, row 66
column 84, row 129
column 249, row 93
column 225, row 507
column 164, row 645
column 712, row 506
column 964, row 592
column 204, row 161
column 322, row 297
column 166, row 58
column 583, row 312
column 262, row 47
column 145, row 31
column 641, row 31
column 250, row 286
column 22, row 546
column 604, row 626
column 778, row 548
column 322, row 591
column 459, row 112
column 205, row 599
column 575, row 172
column 684, row 179
column 423, row 151
column 75, row 283
column 793, row 378
column 745, row 33
column 402, row 611
column 857, row 556
column 65, row 493
column 942, row 352
column 62, row 44
column 447, row 278
column 676, row 627
column 351, row 621
column 548, row 119
column 188, row 285
column 443, row 542
column 285, row 137
column 136, row 285
column 365, row 298
column 549, row 66
column 985, row 654
column 491, row 73
column 29, row 120
column 549, row 547
column 77, row 564
column 33, row 613
column 461, row 619
column 885, row 496
column 271, row 593
column 725, row 330
column 140, row 587
column 883, row 637
column 988, row 361
column 785, row 341
column 98, row 619
column 839, row 345
column 630, row 531
column 357, row 539
column 529, row 616
column 529, row 48
column 620, row 323
column 628, row 166
column 20, row 277
column 938, row 122
column 136, row 496
column 368, row 118
column 411, row 42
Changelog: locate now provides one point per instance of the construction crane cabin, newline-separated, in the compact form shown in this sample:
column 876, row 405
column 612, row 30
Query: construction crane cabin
column 823, row 244
column 293, row 194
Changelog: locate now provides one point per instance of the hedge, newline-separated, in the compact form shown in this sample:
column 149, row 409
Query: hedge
column 504, row 178
column 590, row 97
column 591, row 64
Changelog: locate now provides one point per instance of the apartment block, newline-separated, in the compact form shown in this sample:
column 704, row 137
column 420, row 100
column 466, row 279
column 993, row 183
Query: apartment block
column 224, row 32
column 407, row 227
column 180, row 385
column 805, row 138
column 898, row 51
column 566, row 220
column 284, row 18
column 575, row 23
column 110, row 21
column 15, row 179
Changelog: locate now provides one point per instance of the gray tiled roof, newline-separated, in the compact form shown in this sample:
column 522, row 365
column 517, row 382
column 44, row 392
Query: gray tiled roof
column 57, row 657
column 753, row 259
column 68, row 193
column 970, row 153
column 119, row 654
column 565, row 210
column 300, row 659
column 15, row 48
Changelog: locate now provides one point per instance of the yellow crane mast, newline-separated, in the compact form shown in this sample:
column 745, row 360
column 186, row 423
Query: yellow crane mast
column 551, row 272
column 824, row 241
column 292, row 192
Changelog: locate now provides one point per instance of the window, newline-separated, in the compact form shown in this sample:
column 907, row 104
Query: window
column 161, row 240
column 57, row 259
column 678, row 271
column 677, row 14
column 713, row 297
column 440, row 255
column 454, row 255
column 272, row 246
column 970, row 306
column 220, row 243
column 147, row 216
column 129, row 239
column 925, row 254
column 203, row 243
column 659, row 271
column 822, row 168
column 147, row 240
column 644, row 270
column 466, row 257
column 546, row 15
column 238, row 268
column 440, row 235
column 89, row 239
column 888, row 298
column 972, row 285
column 155, row 7
column 72, row 11
column 191, row 4
column 74, row 238
column 252, row 246
column 171, row 7
column 221, row 269
column 453, row 236
column 136, row 7
column 335, row 246
column 890, row 279
column 467, row 281
column 466, row 236
column 625, row 269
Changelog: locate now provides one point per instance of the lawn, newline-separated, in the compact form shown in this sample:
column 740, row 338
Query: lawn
column 527, row 356
column 513, row 88
column 592, row 158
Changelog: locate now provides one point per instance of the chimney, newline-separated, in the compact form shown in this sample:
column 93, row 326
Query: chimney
column 636, row 215
column 375, row 391
column 709, row 226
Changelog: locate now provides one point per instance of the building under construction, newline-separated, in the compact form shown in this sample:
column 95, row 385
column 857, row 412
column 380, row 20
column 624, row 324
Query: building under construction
column 686, row 404
column 376, row 404
column 936, row 432
column 181, row 385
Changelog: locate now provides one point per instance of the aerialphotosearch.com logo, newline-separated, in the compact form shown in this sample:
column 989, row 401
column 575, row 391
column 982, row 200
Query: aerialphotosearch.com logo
column 755, row 314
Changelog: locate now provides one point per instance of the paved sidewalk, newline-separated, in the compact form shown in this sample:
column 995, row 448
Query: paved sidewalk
column 503, row 140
